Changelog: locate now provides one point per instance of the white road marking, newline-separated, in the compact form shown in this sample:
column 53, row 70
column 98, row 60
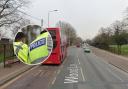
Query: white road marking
column 72, row 76
column 114, row 74
column 115, row 68
column 53, row 80
column 83, row 77
column 119, row 70
column 70, row 81
column 109, row 70
column 78, row 60
column 55, row 72
column 10, row 82
column 37, row 73
column 82, row 74
column 42, row 73
column 58, row 71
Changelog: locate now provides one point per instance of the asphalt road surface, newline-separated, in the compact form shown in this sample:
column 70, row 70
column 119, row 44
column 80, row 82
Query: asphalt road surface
column 79, row 71
column 87, row 71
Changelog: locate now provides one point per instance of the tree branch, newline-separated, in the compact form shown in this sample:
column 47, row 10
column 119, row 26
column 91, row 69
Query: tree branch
column 4, row 6
column 9, row 22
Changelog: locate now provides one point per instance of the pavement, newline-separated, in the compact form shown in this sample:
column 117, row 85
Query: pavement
column 39, row 77
column 12, row 71
column 80, row 70
column 116, row 60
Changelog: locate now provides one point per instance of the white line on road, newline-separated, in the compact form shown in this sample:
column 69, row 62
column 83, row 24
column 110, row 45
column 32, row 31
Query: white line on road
column 119, row 70
column 114, row 74
column 82, row 74
column 42, row 73
column 81, row 69
column 109, row 70
column 58, row 71
column 37, row 73
column 78, row 60
column 54, row 81
column 115, row 68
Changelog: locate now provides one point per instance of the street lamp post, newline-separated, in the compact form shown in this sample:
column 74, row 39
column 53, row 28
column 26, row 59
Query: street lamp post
column 42, row 22
column 49, row 15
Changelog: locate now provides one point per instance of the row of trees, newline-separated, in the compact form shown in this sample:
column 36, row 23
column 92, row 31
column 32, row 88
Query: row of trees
column 115, row 34
column 71, row 33
column 11, row 17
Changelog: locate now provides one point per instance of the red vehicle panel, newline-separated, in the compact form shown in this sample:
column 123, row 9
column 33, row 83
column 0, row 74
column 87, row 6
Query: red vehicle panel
column 59, row 51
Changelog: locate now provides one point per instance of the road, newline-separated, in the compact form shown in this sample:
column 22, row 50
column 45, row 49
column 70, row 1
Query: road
column 87, row 71
column 79, row 71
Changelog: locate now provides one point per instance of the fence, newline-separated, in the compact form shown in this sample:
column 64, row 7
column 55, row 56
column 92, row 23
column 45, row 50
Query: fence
column 6, row 51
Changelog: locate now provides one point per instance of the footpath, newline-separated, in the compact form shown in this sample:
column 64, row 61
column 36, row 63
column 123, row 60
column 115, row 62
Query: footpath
column 116, row 60
column 12, row 71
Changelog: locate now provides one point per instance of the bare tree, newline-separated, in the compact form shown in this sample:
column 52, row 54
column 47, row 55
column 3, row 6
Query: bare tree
column 69, row 30
column 120, row 34
column 79, row 40
column 9, row 13
column 102, row 40
column 17, row 26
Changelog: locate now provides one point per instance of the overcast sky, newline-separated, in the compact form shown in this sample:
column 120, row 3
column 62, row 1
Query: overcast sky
column 86, row 16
